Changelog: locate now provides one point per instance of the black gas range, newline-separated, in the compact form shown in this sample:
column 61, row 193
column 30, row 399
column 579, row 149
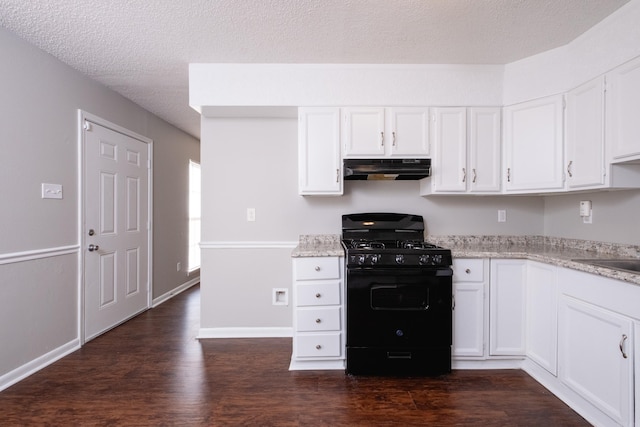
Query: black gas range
column 399, row 297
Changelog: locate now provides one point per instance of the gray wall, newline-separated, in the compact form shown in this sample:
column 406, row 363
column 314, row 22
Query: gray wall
column 615, row 216
column 38, row 143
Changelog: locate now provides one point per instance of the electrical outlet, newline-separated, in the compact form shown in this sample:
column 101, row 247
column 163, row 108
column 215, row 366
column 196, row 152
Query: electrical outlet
column 502, row 215
column 251, row 214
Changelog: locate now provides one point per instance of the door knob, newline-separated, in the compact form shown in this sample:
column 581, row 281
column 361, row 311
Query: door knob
column 93, row 248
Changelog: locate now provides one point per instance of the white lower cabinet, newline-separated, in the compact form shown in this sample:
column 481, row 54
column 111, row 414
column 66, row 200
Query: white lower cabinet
column 507, row 313
column 470, row 278
column 318, row 313
column 542, row 315
column 596, row 344
column 596, row 350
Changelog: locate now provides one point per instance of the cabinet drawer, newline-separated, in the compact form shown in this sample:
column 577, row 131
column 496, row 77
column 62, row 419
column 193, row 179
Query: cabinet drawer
column 468, row 270
column 318, row 293
column 318, row 345
column 316, row 268
column 318, row 319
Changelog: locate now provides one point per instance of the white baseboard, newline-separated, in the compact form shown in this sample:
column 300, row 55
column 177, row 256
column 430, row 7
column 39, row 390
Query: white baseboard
column 172, row 293
column 275, row 332
column 29, row 368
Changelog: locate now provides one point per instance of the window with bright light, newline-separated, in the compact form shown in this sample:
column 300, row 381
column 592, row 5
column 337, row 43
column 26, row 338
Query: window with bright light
column 194, row 215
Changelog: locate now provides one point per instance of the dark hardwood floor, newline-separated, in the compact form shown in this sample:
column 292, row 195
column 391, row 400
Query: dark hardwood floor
column 152, row 371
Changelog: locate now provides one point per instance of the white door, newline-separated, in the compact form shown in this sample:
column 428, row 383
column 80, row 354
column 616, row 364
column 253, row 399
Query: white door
column 450, row 150
column 485, row 142
column 116, row 235
column 596, row 356
column 363, row 132
column 409, row 131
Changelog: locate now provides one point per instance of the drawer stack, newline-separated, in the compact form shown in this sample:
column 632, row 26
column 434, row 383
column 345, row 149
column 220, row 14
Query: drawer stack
column 318, row 318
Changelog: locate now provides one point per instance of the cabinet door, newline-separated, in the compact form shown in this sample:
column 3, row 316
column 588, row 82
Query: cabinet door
column 596, row 357
column 468, row 320
column 585, row 136
column 484, row 150
column 507, row 307
column 363, row 132
column 450, row 149
column 319, row 162
column 534, row 146
column 623, row 104
column 542, row 315
column 409, row 127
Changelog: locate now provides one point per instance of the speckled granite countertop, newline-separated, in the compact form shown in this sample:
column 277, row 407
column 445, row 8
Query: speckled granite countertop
column 312, row 245
column 550, row 250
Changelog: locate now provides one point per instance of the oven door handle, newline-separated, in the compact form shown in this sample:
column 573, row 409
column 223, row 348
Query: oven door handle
column 399, row 272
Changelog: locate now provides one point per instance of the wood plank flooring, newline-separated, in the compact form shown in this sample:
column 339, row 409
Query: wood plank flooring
column 152, row 371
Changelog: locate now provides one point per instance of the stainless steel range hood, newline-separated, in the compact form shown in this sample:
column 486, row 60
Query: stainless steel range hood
column 386, row 169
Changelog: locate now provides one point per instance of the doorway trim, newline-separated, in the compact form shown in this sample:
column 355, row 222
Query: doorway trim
column 85, row 117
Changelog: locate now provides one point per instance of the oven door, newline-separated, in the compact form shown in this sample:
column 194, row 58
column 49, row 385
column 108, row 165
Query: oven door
column 396, row 308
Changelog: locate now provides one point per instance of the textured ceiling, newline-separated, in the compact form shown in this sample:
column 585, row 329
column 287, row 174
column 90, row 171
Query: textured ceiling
column 142, row 49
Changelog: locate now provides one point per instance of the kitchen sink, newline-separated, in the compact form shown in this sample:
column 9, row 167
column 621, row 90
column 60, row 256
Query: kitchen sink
column 630, row 265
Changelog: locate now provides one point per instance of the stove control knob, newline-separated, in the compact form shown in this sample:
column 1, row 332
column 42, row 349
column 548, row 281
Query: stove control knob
column 437, row 259
column 360, row 259
column 424, row 259
column 400, row 259
column 374, row 259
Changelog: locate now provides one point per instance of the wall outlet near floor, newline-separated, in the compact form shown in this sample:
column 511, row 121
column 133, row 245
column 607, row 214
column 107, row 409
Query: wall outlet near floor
column 502, row 215
column 280, row 296
column 251, row 214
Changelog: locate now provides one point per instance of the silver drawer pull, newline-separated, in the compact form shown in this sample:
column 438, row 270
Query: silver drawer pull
column 317, row 268
column 624, row 338
column 318, row 320
column 318, row 347
column 468, row 271
column 318, row 295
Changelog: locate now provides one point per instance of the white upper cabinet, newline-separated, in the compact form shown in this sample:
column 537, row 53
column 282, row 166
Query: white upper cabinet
column 449, row 168
column 534, row 146
column 409, row 127
column 623, row 105
column 484, row 151
column 466, row 154
column 319, row 161
column 585, row 136
column 384, row 132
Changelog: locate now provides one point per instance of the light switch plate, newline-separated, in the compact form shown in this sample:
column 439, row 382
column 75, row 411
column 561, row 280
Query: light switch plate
column 51, row 191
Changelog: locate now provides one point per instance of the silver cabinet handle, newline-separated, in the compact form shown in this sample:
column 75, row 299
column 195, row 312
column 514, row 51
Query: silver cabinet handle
column 464, row 174
column 475, row 176
column 337, row 175
column 394, row 139
column 92, row 248
column 318, row 321
column 508, row 174
column 318, row 295
column 569, row 169
column 317, row 268
column 468, row 271
column 382, row 139
column 318, row 346
column 624, row 338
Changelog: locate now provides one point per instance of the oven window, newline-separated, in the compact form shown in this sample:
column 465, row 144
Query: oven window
column 399, row 297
